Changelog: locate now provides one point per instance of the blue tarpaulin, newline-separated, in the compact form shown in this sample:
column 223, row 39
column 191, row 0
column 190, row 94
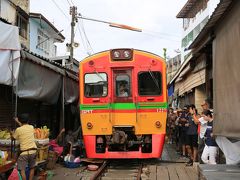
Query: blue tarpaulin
column 170, row 90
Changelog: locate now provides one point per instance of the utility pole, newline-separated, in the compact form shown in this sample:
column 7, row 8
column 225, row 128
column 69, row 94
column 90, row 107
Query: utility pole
column 165, row 53
column 73, row 12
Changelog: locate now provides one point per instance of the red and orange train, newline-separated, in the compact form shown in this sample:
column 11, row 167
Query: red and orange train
column 123, row 104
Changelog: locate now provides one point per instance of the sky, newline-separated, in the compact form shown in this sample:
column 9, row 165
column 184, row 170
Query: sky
column 157, row 19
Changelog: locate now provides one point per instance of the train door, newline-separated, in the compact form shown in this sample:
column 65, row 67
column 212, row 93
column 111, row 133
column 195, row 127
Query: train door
column 122, row 86
column 122, row 96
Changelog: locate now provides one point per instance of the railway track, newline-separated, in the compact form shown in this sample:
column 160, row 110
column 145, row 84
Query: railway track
column 119, row 169
column 127, row 169
column 124, row 169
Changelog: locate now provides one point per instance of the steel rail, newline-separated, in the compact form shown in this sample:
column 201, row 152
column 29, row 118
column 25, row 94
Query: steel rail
column 139, row 172
column 100, row 171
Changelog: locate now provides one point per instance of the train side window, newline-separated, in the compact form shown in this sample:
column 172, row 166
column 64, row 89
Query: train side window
column 95, row 85
column 149, row 83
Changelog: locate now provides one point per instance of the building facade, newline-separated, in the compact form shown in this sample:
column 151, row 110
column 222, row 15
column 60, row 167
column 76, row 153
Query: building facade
column 223, row 26
column 43, row 36
column 193, row 81
column 195, row 15
column 173, row 64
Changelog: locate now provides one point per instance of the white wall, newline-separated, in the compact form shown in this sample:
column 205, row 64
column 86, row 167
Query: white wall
column 7, row 11
column 34, row 26
column 194, row 22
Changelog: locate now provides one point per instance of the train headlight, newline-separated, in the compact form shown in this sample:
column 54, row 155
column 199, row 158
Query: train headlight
column 121, row 54
column 89, row 125
column 116, row 54
column 126, row 54
column 158, row 124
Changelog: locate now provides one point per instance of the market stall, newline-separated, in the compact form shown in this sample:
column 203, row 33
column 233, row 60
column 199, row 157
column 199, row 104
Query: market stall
column 8, row 149
column 42, row 140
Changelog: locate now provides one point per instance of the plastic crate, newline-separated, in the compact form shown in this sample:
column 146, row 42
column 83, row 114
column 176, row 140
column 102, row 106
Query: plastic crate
column 42, row 153
column 71, row 164
column 52, row 159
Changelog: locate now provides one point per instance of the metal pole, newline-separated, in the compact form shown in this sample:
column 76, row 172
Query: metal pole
column 116, row 25
column 73, row 12
column 63, row 106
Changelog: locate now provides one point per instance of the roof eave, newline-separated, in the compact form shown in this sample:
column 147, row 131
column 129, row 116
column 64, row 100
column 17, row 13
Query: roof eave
column 219, row 11
column 184, row 12
column 40, row 16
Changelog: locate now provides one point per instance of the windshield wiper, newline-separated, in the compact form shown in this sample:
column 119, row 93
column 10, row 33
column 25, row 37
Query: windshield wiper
column 100, row 76
column 154, row 79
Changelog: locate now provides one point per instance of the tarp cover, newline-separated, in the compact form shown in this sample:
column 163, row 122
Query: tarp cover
column 170, row 90
column 71, row 92
column 9, row 54
column 226, row 68
column 9, row 39
column 39, row 83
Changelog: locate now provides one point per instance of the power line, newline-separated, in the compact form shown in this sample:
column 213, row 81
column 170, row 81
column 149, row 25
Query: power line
column 84, row 46
column 60, row 10
column 155, row 36
column 83, row 41
column 72, row 2
column 69, row 3
column 85, row 35
column 162, row 34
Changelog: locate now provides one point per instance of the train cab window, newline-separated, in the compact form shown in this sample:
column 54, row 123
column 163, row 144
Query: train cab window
column 95, row 85
column 149, row 83
column 123, row 85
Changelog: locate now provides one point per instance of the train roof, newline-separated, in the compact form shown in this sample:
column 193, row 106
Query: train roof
column 105, row 51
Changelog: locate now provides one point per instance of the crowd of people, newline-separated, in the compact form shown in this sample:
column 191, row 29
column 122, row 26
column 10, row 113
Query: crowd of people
column 192, row 133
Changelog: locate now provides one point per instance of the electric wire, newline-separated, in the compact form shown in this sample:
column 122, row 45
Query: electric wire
column 85, row 42
column 72, row 2
column 85, row 46
column 69, row 3
column 60, row 10
column 85, row 35
column 160, row 37
column 161, row 33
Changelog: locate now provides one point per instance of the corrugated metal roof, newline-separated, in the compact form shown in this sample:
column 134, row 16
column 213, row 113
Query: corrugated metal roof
column 221, row 8
column 186, row 9
column 26, row 54
column 182, row 67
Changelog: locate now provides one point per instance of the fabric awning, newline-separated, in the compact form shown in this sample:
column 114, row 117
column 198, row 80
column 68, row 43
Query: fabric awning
column 38, row 83
column 9, row 54
column 71, row 91
column 41, row 80
column 226, row 66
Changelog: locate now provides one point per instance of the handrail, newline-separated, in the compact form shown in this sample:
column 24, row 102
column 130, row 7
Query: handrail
column 136, row 102
column 110, row 109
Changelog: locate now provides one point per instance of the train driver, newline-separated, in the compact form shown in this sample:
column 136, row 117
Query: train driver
column 123, row 91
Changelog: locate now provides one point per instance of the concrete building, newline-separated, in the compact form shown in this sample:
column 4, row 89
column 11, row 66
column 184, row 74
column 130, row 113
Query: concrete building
column 193, row 81
column 43, row 36
column 173, row 64
column 221, row 36
column 195, row 15
column 16, row 12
